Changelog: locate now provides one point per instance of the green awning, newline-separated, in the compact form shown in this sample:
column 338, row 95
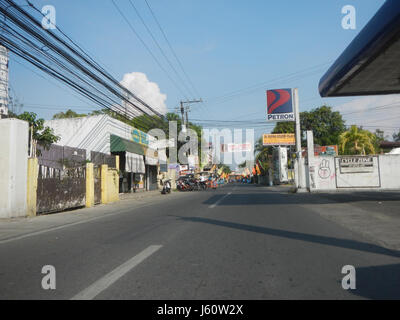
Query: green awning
column 119, row 144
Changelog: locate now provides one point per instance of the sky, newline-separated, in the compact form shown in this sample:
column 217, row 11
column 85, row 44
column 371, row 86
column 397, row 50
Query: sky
column 232, row 52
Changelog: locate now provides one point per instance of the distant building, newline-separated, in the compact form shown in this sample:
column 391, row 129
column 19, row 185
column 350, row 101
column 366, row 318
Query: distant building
column 139, row 162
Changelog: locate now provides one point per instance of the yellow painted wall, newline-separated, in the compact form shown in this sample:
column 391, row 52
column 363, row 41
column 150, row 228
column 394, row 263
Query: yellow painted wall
column 89, row 185
column 109, row 185
column 33, row 171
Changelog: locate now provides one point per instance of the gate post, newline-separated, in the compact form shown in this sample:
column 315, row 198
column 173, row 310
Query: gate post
column 33, row 171
column 14, row 137
column 89, row 185
column 104, row 191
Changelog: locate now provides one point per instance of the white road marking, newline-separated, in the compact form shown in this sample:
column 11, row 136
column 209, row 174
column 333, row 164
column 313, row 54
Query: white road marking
column 215, row 204
column 110, row 278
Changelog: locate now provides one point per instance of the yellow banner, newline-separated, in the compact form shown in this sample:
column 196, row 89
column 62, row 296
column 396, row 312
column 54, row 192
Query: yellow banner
column 279, row 139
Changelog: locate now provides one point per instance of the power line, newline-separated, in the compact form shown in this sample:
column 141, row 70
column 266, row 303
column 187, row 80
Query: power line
column 159, row 47
column 148, row 49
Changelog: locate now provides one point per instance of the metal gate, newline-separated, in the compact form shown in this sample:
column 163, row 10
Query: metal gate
column 62, row 191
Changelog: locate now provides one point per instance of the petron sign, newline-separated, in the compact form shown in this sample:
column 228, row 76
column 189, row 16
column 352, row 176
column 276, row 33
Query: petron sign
column 280, row 139
column 280, row 105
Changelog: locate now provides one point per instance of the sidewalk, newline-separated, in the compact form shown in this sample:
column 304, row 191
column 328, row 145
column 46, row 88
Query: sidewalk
column 18, row 228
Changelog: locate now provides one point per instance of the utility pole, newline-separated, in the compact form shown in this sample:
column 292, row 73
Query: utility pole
column 299, row 161
column 185, row 122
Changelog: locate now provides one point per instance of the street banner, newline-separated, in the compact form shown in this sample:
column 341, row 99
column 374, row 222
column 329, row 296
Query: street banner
column 236, row 147
column 280, row 139
column 280, row 105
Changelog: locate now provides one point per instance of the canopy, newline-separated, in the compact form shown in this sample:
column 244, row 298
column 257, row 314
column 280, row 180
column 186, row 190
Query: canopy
column 370, row 64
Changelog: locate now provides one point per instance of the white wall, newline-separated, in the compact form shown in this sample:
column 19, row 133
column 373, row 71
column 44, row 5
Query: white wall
column 324, row 174
column 14, row 135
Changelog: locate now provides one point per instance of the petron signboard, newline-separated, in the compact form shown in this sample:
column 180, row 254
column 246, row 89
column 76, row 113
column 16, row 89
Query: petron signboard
column 280, row 105
column 280, row 139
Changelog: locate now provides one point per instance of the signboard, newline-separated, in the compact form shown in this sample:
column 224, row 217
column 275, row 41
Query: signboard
column 236, row 147
column 140, row 137
column 280, row 105
column 281, row 139
column 323, row 151
column 356, row 164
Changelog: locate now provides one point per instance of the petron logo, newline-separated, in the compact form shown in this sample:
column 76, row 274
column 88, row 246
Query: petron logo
column 280, row 105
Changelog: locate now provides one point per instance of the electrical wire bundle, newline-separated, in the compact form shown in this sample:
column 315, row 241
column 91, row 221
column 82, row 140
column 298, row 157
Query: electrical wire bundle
column 56, row 54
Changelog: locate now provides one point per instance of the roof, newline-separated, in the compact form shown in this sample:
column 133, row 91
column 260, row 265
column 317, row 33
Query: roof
column 370, row 64
column 118, row 144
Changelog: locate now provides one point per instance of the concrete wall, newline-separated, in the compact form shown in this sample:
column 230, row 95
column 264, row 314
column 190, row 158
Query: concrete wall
column 109, row 185
column 14, row 135
column 324, row 174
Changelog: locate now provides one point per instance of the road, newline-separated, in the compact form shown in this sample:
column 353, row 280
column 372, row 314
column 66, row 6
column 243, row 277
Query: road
column 237, row 242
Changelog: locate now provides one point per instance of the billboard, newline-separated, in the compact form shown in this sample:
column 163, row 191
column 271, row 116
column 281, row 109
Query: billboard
column 280, row 105
column 236, row 147
column 280, row 139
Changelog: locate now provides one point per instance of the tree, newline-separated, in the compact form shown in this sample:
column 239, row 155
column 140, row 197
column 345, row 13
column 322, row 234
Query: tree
column 68, row 114
column 263, row 154
column 357, row 141
column 396, row 136
column 41, row 135
column 327, row 125
column 379, row 138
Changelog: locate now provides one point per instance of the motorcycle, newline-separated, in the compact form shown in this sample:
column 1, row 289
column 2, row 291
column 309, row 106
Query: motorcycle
column 166, row 187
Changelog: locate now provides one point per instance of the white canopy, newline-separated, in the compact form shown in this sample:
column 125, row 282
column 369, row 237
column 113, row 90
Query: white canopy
column 134, row 163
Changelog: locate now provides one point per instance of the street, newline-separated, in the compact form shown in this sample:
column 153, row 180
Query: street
column 236, row 242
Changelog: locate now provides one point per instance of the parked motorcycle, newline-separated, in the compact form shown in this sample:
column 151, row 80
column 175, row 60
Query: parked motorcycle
column 166, row 187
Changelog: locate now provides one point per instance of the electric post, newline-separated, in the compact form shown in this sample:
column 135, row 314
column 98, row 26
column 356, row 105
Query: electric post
column 299, row 163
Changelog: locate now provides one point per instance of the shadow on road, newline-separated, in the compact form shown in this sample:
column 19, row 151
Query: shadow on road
column 330, row 241
column 263, row 196
column 378, row 282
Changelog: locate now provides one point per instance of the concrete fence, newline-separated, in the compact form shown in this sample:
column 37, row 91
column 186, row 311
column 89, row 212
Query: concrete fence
column 375, row 172
column 19, row 174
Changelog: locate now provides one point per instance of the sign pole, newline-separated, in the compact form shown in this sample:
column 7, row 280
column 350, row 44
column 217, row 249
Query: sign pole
column 299, row 162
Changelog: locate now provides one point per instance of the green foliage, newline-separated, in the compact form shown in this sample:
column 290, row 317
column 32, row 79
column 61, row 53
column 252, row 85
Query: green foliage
column 327, row 125
column 68, row 115
column 225, row 168
column 396, row 136
column 357, row 141
column 41, row 135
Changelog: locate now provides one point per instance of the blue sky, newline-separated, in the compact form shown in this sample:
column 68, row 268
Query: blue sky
column 225, row 46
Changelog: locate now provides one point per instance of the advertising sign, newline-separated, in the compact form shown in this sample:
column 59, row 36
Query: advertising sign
column 281, row 139
column 140, row 137
column 236, row 147
column 356, row 164
column 280, row 105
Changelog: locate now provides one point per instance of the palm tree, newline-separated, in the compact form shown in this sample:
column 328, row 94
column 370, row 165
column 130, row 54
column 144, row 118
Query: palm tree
column 262, row 153
column 357, row 141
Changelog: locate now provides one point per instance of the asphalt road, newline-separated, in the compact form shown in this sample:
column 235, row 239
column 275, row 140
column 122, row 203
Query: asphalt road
column 237, row 242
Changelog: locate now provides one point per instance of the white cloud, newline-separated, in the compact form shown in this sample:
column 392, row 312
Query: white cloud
column 148, row 91
column 373, row 112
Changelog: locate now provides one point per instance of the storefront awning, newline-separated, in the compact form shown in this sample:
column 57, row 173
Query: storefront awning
column 134, row 163
column 118, row 144
column 370, row 64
